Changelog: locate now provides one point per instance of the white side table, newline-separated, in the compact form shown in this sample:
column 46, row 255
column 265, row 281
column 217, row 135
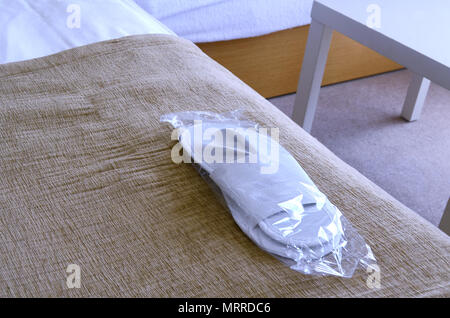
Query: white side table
column 413, row 33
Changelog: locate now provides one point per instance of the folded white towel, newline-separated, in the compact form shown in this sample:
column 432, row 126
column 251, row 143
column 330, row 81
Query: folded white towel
column 220, row 20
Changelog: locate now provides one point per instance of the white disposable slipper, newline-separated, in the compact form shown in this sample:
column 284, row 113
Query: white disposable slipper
column 296, row 247
column 282, row 211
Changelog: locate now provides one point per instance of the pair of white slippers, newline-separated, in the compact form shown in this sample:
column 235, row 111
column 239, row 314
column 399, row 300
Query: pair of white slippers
column 283, row 212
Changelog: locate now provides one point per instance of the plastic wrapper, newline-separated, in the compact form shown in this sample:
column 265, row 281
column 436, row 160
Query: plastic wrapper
column 269, row 195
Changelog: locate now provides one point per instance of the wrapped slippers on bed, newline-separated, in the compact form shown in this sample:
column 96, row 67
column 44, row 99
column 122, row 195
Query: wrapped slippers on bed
column 269, row 195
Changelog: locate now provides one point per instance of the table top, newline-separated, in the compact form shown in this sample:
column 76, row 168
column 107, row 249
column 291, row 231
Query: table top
column 423, row 26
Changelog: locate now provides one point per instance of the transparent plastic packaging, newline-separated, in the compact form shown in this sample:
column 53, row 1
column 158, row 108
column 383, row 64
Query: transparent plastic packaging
column 269, row 195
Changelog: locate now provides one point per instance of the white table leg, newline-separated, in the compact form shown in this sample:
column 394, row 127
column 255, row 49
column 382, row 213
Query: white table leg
column 314, row 61
column 415, row 98
column 445, row 221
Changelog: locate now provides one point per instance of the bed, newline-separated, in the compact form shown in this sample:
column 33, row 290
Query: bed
column 263, row 41
column 87, row 179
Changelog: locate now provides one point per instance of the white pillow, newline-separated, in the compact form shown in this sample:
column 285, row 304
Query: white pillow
column 30, row 28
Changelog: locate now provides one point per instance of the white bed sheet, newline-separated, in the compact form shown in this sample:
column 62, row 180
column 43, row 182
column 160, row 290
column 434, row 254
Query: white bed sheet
column 35, row 28
column 220, row 20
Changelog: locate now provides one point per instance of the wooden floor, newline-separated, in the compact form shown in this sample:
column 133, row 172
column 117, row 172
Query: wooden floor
column 271, row 63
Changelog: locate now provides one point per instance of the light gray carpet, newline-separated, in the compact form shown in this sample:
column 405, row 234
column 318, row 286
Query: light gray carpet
column 360, row 122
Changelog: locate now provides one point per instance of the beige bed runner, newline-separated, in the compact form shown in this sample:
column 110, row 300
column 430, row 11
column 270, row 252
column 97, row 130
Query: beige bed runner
column 86, row 178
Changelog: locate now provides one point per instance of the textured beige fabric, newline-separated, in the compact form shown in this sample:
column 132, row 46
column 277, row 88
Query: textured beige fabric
column 86, row 178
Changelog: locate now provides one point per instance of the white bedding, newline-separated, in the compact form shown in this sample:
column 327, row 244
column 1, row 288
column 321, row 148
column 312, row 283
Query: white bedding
column 35, row 28
column 219, row 20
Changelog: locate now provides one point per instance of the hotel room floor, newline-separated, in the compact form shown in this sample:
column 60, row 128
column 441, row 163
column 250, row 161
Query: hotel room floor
column 360, row 122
